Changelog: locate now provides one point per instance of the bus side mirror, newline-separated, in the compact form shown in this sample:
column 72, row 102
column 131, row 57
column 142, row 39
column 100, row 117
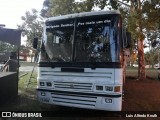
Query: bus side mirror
column 128, row 36
column 35, row 43
column 126, row 39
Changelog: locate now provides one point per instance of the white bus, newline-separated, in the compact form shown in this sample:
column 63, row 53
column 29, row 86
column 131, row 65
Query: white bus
column 81, row 61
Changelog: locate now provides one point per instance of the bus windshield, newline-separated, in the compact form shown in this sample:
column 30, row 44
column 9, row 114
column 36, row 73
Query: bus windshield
column 84, row 39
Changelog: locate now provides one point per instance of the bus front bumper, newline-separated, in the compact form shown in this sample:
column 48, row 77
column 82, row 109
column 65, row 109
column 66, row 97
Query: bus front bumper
column 108, row 102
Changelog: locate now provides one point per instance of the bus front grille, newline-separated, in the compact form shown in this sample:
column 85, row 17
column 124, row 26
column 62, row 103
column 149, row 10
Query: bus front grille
column 73, row 85
column 73, row 99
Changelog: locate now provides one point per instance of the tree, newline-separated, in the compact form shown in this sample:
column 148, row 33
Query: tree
column 32, row 26
column 141, row 17
column 6, row 47
column 46, row 11
column 62, row 7
column 152, row 57
column 145, row 17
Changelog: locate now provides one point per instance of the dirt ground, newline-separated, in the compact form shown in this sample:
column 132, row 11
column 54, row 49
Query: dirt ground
column 141, row 95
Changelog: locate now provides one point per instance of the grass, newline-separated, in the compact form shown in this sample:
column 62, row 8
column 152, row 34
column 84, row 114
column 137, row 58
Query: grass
column 24, row 63
column 151, row 73
column 28, row 80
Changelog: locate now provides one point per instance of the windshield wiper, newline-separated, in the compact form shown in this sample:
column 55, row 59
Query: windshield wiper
column 58, row 59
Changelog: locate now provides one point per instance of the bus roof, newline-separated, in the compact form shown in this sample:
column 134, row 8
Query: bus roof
column 83, row 14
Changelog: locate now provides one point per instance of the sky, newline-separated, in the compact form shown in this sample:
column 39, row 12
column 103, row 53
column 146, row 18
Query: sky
column 12, row 10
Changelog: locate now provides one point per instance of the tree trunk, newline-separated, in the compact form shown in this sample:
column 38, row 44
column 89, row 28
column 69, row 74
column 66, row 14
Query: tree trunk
column 141, row 58
column 141, row 61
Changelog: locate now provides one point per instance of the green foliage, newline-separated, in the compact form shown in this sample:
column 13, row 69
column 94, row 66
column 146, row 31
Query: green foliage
column 62, row 7
column 32, row 26
column 141, row 14
column 46, row 11
column 6, row 47
column 151, row 57
column 114, row 4
column 153, row 38
column 151, row 14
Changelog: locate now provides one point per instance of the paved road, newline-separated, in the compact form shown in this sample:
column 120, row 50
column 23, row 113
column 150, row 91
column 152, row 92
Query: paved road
column 27, row 68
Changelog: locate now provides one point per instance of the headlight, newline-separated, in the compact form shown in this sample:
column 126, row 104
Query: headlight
column 49, row 84
column 99, row 87
column 42, row 84
column 109, row 88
